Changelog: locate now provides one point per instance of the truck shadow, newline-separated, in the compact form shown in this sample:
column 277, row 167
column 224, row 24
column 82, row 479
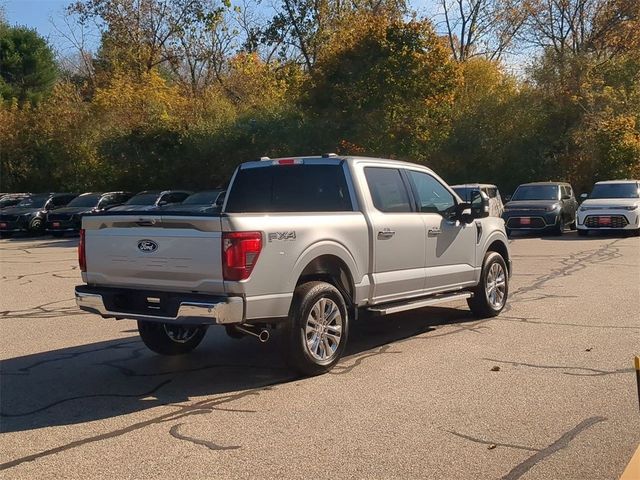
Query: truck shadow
column 117, row 377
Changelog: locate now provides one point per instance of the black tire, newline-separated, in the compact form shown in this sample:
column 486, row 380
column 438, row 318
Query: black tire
column 298, row 352
column 558, row 228
column 480, row 304
column 36, row 226
column 583, row 233
column 57, row 234
column 162, row 337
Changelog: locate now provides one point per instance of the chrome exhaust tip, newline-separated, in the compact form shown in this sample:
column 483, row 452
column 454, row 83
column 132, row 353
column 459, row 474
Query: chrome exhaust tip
column 263, row 336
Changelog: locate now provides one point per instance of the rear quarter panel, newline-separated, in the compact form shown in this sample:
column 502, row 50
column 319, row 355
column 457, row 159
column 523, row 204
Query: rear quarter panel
column 290, row 243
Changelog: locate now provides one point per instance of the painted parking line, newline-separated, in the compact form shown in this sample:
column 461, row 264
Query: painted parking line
column 632, row 472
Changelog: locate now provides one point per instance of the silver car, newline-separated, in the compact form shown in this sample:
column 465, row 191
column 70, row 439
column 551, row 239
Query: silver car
column 496, row 207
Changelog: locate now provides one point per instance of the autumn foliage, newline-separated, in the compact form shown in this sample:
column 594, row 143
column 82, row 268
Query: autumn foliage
column 372, row 80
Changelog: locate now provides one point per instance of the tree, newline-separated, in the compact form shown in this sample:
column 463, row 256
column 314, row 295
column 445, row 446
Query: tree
column 482, row 27
column 27, row 67
column 385, row 86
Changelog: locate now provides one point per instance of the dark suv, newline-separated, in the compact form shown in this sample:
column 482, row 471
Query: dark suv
column 541, row 207
column 69, row 218
column 30, row 214
column 151, row 200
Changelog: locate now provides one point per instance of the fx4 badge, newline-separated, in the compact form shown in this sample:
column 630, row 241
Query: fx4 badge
column 285, row 236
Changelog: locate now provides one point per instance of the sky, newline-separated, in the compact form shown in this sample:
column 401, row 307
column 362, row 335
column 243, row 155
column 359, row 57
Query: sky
column 43, row 14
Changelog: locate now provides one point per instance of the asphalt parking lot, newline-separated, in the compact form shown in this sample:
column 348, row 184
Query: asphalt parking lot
column 545, row 391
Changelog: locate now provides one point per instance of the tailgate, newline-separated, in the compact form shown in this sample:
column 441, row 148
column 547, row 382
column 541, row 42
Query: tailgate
column 174, row 253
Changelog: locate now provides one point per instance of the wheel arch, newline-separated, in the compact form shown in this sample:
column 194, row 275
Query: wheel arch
column 330, row 268
column 498, row 245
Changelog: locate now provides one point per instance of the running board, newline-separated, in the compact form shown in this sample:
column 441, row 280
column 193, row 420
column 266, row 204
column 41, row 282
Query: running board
column 413, row 304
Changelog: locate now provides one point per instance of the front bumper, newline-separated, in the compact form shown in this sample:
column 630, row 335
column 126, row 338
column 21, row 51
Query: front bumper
column 538, row 220
column 618, row 219
column 163, row 307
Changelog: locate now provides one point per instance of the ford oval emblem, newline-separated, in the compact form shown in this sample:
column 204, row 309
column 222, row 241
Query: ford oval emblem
column 147, row 246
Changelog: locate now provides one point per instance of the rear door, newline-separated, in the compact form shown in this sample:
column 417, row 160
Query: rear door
column 398, row 237
column 450, row 244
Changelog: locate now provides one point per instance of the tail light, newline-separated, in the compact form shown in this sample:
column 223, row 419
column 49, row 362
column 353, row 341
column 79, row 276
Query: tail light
column 82, row 255
column 240, row 251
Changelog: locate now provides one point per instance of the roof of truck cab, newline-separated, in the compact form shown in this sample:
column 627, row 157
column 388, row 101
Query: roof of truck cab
column 350, row 159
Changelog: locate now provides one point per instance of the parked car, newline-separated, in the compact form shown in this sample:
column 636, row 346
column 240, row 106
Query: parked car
column 612, row 205
column 541, row 207
column 303, row 244
column 152, row 199
column 12, row 199
column 496, row 208
column 68, row 219
column 30, row 214
column 204, row 202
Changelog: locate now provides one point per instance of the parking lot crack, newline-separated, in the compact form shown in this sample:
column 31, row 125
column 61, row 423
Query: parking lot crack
column 205, row 443
column 589, row 372
column 563, row 442
column 487, row 442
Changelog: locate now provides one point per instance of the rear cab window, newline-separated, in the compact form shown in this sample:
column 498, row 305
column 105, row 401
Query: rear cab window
column 388, row 190
column 290, row 188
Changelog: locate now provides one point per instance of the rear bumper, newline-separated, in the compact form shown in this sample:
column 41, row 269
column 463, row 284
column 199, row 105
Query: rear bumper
column 187, row 309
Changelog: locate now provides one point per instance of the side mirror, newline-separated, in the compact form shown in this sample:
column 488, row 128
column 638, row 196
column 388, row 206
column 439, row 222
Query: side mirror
column 507, row 198
column 584, row 196
column 479, row 204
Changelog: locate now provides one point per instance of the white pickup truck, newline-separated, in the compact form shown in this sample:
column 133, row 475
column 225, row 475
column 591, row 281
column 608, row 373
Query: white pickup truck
column 306, row 244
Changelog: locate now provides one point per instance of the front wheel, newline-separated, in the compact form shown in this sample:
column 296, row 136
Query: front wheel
column 318, row 328
column 490, row 295
column 36, row 226
column 170, row 339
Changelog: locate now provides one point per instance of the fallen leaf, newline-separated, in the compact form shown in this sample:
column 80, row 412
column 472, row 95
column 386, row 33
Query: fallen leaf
column 492, row 446
column 495, row 369
column 588, row 349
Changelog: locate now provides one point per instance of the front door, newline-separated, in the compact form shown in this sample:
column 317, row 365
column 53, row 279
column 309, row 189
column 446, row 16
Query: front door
column 450, row 244
column 398, row 237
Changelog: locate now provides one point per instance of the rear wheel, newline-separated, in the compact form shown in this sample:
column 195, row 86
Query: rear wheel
column 490, row 295
column 318, row 328
column 169, row 339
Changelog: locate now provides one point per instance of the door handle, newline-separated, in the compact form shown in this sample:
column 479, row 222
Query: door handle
column 433, row 232
column 385, row 234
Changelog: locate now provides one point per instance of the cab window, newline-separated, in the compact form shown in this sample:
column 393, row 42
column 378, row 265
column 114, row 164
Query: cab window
column 432, row 196
column 388, row 190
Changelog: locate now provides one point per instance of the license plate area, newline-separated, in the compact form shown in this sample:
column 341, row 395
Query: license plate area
column 3, row 225
column 605, row 221
column 56, row 224
column 525, row 221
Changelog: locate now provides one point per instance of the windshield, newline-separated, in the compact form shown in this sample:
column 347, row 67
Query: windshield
column 202, row 198
column 85, row 201
column 7, row 202
column 37, row 201
column 143, row 199
column 615, row 190
column 536, row 192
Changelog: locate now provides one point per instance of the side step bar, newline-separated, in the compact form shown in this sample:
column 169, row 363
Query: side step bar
column 413, row 304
